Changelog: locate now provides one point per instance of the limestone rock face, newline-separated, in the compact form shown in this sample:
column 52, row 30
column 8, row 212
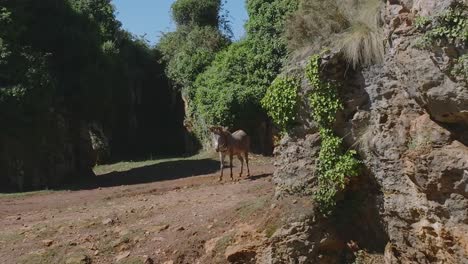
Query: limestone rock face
column 420, row 73
column 299, row 243
column 408, row 120
column 296, row 168
column 421, row 170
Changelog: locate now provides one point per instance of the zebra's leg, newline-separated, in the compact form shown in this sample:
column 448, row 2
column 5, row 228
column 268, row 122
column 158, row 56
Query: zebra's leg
column 230, row 165
column 221, row 161
column 247, row 162
column 242, row 165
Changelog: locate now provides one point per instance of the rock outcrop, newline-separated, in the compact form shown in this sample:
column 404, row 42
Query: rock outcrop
column 296, row 167
column 407, row 118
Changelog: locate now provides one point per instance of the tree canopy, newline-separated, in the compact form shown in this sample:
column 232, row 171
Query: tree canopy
column 71, row 61
column 230, row 90
column 194, row 12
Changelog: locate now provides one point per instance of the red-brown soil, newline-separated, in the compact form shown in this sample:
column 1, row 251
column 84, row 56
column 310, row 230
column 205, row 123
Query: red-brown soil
column 167, row 212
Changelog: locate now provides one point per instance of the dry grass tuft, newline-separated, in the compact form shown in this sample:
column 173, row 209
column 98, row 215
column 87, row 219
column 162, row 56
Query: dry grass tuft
column 362, row 44
column 353, row 26
column 314, row 22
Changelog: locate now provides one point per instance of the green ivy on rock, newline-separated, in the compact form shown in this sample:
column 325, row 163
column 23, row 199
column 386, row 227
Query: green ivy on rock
column 451, row 26
column 461, row 67
column 335, row 165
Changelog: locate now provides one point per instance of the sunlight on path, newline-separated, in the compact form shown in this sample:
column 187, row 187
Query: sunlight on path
column 128, row 165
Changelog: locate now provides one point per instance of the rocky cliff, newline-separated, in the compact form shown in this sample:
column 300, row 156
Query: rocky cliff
column 407, row 118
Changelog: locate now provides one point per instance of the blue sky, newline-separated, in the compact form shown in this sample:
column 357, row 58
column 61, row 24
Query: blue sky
column 151, row 17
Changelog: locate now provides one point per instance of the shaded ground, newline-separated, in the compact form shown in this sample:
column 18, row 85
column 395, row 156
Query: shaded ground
column 165, row 210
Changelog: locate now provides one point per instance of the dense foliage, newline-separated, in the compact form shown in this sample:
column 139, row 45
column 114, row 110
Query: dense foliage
column 230, row 90
column 194, row 12
column 335, row 165
column 71, row 61
column 193, row 46
column 189, row 50
column 281, row 100
column 324, row 99
column 74, row 48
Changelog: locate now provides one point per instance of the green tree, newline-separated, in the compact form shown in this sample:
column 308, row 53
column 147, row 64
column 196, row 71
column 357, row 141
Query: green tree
column 189, row 50
column 230, row 90
column 192, row 47
column 70, row 63
column 194, row 12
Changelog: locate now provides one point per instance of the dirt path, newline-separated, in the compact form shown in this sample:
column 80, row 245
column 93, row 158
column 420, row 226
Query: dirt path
column 166, row 212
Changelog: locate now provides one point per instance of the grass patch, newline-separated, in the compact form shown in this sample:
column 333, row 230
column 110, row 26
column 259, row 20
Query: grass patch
column 223, row 243
column 113, row 243
column 271, row 228
column 219, row 248
column 10, row 237
column 274, row 220
column 57, row 254
column 362, row 42
column 105, row 245
column 42, row 231
column 49, row 255
column 25, row 194
column 131, row 260
column 129, row 165
column 248, row 208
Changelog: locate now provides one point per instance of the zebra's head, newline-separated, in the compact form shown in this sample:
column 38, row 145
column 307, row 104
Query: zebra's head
column 219, row 138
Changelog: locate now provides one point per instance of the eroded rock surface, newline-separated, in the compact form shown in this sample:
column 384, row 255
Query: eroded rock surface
column 407, row 118
column 296, row 168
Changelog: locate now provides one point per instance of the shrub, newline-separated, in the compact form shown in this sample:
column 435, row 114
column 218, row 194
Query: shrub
column 281, row 101
column 268, row 17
